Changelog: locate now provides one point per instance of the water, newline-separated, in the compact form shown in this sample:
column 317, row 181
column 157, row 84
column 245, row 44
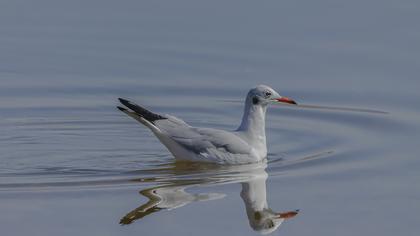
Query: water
column 72, row 164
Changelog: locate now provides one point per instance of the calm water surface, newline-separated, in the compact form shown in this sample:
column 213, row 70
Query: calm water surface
column 72, row 164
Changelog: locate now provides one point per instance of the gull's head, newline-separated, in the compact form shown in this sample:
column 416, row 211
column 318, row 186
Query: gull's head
column 267, row 221
column 263, row 95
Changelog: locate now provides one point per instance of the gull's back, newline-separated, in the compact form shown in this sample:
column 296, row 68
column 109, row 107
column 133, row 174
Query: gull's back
column 191, row 143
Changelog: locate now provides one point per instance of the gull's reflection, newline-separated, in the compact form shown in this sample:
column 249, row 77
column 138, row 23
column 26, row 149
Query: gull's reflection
column 261, row 217
column 166, row 197
column 174, row 180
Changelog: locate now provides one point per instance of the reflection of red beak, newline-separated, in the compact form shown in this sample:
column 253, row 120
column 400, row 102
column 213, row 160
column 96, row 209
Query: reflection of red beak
column 286, row 100
column 287, row 215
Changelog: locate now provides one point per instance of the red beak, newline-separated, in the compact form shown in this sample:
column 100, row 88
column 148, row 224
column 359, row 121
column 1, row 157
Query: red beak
column 287, row 215
column 286, row 100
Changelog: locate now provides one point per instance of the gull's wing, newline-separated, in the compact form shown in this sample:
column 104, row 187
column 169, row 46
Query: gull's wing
column 167, row 197
column 208, row 144
column 212, row 144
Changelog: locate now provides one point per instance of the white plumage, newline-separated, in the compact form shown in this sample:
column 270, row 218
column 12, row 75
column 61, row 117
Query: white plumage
column 247, row 144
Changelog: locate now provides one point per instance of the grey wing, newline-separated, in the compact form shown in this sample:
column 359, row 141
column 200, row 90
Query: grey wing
column 209, row 143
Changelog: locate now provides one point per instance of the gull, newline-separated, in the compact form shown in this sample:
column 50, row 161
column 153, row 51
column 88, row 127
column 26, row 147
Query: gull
column 246, row 144
column 173, row 193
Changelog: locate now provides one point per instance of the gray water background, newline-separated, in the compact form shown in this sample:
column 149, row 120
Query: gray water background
column 69, row 160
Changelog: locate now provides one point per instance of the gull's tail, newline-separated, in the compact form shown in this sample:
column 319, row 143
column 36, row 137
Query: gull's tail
column 140, row 114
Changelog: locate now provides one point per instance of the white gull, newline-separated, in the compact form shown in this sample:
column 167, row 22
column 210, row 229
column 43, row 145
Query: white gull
column 247, row 144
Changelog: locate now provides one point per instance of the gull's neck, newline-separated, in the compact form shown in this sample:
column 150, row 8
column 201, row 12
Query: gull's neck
column 254, row 193
column 253, row 124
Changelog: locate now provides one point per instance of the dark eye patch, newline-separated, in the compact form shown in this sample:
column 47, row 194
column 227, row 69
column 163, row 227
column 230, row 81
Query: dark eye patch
column 257, row 215
column 255, row 100
column 267, row 94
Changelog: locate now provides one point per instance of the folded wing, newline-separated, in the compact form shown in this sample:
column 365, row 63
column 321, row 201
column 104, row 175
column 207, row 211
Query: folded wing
column 211, row 144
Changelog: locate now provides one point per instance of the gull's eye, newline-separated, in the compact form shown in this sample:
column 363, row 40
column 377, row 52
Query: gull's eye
column 267, row 94
column 269, row 224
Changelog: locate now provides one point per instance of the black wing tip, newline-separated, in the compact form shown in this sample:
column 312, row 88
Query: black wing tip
column 121, row 109
column 141, row 111
column 129, row 104
column 123, row 101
